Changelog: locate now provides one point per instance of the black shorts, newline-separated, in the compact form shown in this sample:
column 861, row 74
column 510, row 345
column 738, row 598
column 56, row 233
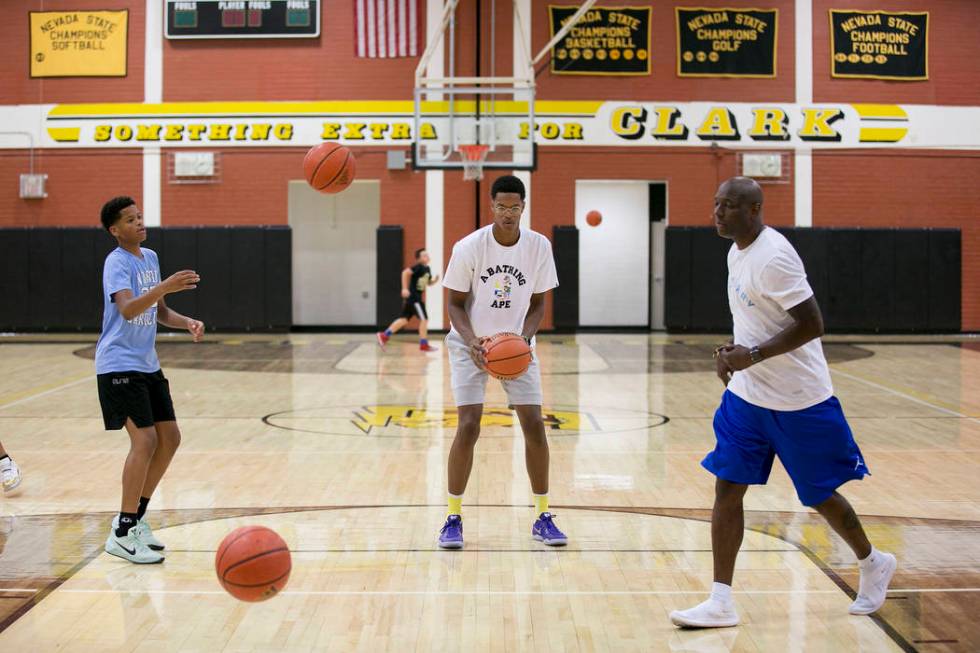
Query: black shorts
column 414, row 307
column 141, row 396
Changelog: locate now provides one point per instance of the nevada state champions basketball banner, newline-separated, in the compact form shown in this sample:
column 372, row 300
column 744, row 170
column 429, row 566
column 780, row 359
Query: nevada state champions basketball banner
column 725, row 42
column 879, row 44
column 605, row 41
column 78, row 43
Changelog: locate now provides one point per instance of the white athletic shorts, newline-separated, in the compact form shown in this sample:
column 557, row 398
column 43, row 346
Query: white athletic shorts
column 470, row 382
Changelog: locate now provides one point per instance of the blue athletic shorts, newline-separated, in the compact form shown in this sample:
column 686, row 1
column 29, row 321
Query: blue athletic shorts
column 815, row 446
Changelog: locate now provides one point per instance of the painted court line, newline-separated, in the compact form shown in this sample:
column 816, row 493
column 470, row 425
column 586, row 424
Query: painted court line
column 904, row 395
column 64, row 590
column 87, row 377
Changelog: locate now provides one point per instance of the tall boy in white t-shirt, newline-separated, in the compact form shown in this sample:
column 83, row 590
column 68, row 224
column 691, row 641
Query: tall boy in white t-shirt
column 778, row 401
column 497, row 279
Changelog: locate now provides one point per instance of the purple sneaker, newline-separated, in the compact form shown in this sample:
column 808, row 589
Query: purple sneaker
column 544, row 530
column 451, row 535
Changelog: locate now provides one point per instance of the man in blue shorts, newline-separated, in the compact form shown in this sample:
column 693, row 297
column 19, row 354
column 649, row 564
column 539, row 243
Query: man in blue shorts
column 133, row 391
column 779, row 401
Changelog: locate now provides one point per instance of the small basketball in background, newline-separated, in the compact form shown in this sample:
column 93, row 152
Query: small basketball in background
column 329, row 167
column 594, row 218
column 253, row 563
column 508, row 356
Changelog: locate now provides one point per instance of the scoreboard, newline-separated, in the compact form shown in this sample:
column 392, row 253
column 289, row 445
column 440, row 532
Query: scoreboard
column 242, row 19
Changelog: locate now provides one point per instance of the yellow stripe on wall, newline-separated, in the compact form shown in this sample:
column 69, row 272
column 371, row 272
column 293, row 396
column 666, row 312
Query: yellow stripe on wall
column 882, row 134
column 65, row 134
column 892, row 111
column 353, row 107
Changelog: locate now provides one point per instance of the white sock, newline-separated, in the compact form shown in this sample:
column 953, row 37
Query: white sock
column 721, row 593
column 871, row 560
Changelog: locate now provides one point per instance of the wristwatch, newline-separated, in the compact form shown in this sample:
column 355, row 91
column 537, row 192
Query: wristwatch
column 755, row 355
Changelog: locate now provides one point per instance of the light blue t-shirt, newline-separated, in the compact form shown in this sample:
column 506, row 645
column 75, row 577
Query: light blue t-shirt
column 128, row 345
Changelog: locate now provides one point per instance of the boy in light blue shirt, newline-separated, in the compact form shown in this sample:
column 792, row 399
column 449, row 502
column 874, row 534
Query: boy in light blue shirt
column 132, row 388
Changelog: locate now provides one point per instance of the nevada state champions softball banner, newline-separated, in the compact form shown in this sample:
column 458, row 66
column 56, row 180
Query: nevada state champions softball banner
column 879, row 44
column 726, row 42
column 605, row 41
column 78, row 43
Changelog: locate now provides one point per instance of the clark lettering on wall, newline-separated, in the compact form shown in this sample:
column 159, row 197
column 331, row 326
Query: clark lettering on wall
column 556, row 123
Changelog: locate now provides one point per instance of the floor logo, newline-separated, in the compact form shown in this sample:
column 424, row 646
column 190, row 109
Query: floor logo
column 413, row 417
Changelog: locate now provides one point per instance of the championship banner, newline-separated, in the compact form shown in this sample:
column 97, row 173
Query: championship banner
column 725, row 42
column 78, row 43
column 606, row 41
column 879, row 44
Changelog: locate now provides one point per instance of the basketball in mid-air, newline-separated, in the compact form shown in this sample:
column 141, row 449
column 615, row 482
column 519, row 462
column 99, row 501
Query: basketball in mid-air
column 329, row 167
column 508, row 356
column 594, row 218
column 253, row 563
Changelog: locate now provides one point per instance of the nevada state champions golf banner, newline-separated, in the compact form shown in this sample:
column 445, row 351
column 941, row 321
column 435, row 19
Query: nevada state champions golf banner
column 78, row 43
column 606, row 41
column 879, row 44
column 726, row 42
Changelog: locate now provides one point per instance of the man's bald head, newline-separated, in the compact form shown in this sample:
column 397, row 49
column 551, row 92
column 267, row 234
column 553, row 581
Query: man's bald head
column 745, row 188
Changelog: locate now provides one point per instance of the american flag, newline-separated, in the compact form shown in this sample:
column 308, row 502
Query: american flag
column 386, row 28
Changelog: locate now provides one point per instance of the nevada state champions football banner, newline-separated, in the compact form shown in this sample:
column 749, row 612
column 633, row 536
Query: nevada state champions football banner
column 726, row 42
column 78, row 43
column 879, row 44
column 605, row 41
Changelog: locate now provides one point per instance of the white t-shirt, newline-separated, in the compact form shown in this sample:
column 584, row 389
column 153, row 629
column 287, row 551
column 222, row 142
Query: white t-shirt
column 500, row 279
column 765, row 280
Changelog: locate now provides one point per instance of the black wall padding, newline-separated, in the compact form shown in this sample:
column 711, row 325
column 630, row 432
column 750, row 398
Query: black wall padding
column 14, row 275
column 945, row 265
column 877, row 280
column 52, row 277
column 910, row 277
column 278, row 277
column 677, row 279
column 177, row 249
column 696, row 280
column 843, row 310
column 390, row 244
column 564, row 241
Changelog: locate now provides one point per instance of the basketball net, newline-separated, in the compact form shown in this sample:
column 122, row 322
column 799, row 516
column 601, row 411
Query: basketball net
column 473, row 157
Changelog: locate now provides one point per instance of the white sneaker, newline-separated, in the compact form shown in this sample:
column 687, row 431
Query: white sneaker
column 131, row 548
column 147, row 537
column 145, row 533
column 873, row 587
column 10, row 476
column 709, row 614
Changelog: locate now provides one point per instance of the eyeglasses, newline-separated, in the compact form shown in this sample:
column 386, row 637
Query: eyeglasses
column 499, row 208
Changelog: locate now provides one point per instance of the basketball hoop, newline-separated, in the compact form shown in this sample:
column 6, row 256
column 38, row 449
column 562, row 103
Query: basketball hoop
column 473, row 157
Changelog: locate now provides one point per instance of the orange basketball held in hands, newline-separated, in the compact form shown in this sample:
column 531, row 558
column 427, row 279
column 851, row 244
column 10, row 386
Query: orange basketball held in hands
column 508, row 356
column 329, row 167
column 253, row 563
column 594, row 218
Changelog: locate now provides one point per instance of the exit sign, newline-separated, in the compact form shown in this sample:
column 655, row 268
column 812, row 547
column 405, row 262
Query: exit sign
column 242, row 19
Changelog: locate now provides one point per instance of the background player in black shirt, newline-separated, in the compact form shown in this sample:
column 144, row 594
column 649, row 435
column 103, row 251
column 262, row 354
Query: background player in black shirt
column 414, row 282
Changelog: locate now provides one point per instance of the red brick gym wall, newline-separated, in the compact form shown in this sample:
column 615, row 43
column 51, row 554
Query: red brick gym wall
column 288, row 69
column 75, row 195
